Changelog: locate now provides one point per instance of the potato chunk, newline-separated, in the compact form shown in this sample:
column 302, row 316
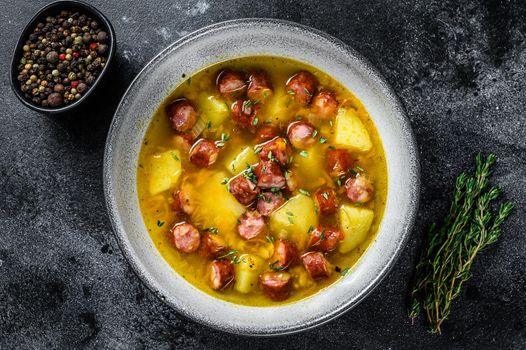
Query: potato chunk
column 355, row 223
column 164, row 171
column 279, row 108
column 213, row 110
column 247, row 272
column 236, row 163
column 294, row 218
column 214, row 205
column 350, row 132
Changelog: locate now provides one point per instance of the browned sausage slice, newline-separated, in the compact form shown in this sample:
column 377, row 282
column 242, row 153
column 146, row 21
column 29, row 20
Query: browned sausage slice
column 244, row 114
column 301, row 134
column 221, row 274
column 302, row 87
column 184, row 142
column 251, row 225
column 285, row 254
column 324, row 238
column 183, row 203
column 276, row 285
column 212, row 246
column 265, row 133
column 182, row 115
column 316, row 265
column 338, row 162
column 231, row 85
column 277, row 148
column 243, row 189
column 326, row 200
column 259, row 87
column 359, row 189
column 324, row 104
column 186, row 237
column 269, row 175
column 293, row 180
column 204, row 153
column 268, row 202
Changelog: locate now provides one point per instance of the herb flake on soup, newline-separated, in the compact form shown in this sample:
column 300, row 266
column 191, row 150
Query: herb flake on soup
column 262, row 180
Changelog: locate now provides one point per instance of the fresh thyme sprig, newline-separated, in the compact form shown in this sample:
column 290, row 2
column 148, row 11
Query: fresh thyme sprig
column 450, row 249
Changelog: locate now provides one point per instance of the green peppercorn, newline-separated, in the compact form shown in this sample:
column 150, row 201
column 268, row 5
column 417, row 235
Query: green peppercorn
column 69, row 57
column 55, row 72
column 72, row 76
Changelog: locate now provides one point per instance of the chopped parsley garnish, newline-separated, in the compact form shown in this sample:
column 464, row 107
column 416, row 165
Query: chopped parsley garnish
column 332, row 148
column 304, row 154
column 345, row 271
column 212, row 229
column 307, row 92
column 230, row 253
column 255, row 121
column 339, row 182
column 175, row 156
column 249, row 174
column 270, row 239
column 322, row 236
column 275, row 189
column 160, row 223
column 289, row 213
column 304, row 192
column 323, row 140
column 325, row 195
column 225, row 181
column 271, row 157
column 359, row 168
column 298, row 118
column 352, row 171
column 290, row 92
column 274, row 266
column 209, row 124
column 314, row 133
column 311, row 228
column 258, row 149
column 224, row 138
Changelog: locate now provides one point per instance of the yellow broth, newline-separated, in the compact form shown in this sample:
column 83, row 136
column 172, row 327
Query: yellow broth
column 159, row 217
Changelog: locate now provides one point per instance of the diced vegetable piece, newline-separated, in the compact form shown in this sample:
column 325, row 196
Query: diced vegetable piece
column 279, row 108
column 247, row 272
column 238, row 162
column 213, row 110
column 214, row 205
column 310, row 166
column 164, row 171
column 350, row 132
column 355, row 223
column 293, row 219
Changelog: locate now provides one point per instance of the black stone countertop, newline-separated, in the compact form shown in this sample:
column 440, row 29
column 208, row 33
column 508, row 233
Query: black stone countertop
column 459, row 69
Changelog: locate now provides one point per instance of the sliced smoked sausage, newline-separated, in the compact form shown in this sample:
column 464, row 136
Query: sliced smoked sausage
column 244, row 114
column 259, row 87
column 182, row 115
column 276, row 149
column 324, row 238
column 326, row 200
column 324, row 104
column 359, row 189
column 301, row 134
column 276, row 285
column 316, row 265
column 302, row 87
column 269, row 175
column 338, row 162
column 285, row 254
column 268, row 202
column 186, row 237
column 243, row 189
column 232, row 85
column 204, row 153
column 221, row 274
column 212, row 246
column 265, row 133
column 251, row 224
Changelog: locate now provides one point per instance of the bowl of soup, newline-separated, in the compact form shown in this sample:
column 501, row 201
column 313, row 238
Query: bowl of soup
column 261, row 177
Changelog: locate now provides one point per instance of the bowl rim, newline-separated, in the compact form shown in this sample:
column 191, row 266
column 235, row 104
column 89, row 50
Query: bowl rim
column 410, row 216
column 16, row 55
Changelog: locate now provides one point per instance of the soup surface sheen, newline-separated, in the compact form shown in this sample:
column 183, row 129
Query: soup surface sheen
column 333, row 215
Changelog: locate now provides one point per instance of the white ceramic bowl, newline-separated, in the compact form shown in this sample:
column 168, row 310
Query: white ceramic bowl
column 249, row 37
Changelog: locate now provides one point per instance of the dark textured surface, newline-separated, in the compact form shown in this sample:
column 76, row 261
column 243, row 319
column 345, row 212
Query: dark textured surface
column 460, row 71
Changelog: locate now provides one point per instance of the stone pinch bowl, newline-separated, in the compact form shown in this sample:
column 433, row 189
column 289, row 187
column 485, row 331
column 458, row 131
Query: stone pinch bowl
column 248, row 37
column 51, row 10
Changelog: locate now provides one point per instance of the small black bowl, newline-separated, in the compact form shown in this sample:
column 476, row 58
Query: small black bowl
column 52, row 9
